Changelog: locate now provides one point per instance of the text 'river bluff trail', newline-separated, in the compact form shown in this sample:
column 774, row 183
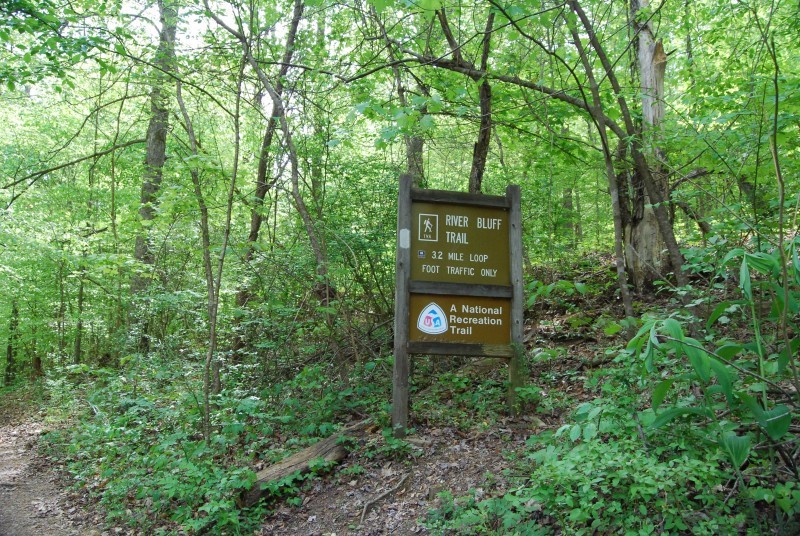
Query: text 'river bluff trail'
column 454, row 243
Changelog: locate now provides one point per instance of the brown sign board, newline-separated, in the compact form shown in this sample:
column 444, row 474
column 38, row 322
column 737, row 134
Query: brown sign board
column 458, row 283
column 453, row 243
column 459, row 319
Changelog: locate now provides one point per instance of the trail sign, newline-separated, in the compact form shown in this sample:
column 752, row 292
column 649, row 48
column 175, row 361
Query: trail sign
column 459, row 319
column 458, row 282
column 459, row 244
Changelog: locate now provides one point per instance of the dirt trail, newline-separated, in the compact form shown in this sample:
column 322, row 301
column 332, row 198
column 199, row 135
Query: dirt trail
column 31, row 503
column 377, row 496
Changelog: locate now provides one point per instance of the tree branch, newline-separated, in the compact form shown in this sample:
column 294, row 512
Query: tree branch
column 33, row 177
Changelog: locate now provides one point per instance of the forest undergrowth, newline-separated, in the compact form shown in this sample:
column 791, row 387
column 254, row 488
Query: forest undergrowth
column 679, row 421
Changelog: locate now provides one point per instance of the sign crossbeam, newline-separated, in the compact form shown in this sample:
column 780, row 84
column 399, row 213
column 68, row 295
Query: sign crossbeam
column 458, row 198
column 460, row 289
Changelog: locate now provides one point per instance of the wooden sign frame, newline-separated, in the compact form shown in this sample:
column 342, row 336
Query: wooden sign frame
column 405, row 286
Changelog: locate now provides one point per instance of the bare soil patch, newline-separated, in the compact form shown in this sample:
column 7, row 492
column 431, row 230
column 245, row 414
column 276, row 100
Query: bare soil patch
column 31, row 501
column 375, row 496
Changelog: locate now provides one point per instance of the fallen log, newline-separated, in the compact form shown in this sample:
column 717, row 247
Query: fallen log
column 330, row 450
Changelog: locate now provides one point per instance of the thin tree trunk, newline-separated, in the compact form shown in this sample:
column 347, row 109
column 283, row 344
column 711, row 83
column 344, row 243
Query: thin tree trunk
column 77, row 354
column 567, row 220
column 11, row 349
column 211, row 295
column 415, row 146
column 36, row 360
column 599, row 118
column 156, row 151
column 689, row 48
column 414, row 143
column 62, row 311
column 577, row 219
column 480, row 150
column 211, row 374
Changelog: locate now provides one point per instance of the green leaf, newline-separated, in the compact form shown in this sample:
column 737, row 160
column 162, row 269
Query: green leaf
column 380, row 5
column 698, row 358
column 728, row 351
column 776, row 422
column 669, row 414
column 724, row 378
column 429, row 7
column 660, row 391
column 427, row 122
column 787, row 353
column 744, row 280
column 673, row 328
column 736, row 447
column 762, row 262
column 589, row 431
column 653, row 340
column 637, row 341
column 575, row 432
column 612, row 329
column 583, row 410
column 719, row 310
column 572, row 19
column 732, row 254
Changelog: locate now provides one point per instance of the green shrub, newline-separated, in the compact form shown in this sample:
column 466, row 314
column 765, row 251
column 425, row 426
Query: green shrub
column 596, row 474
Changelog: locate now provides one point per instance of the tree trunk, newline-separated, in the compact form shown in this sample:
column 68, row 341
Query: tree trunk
column 414, row 162
column 599, row 119
column 62, row 311
column 480, row 151
column 413, row 142
column 77, row 355
column 569, row 224
column 645, row 180
column 156, row 151
column 37, row 368
column 577, row 219
column 645, row 247
column 11, row 349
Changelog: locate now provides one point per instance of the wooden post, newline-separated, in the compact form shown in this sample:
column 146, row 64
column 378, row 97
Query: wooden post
column 515, row 371
column 402, row 270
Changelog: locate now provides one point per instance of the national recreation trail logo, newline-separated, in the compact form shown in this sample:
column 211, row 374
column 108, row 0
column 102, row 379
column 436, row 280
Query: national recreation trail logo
column 432, row 320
